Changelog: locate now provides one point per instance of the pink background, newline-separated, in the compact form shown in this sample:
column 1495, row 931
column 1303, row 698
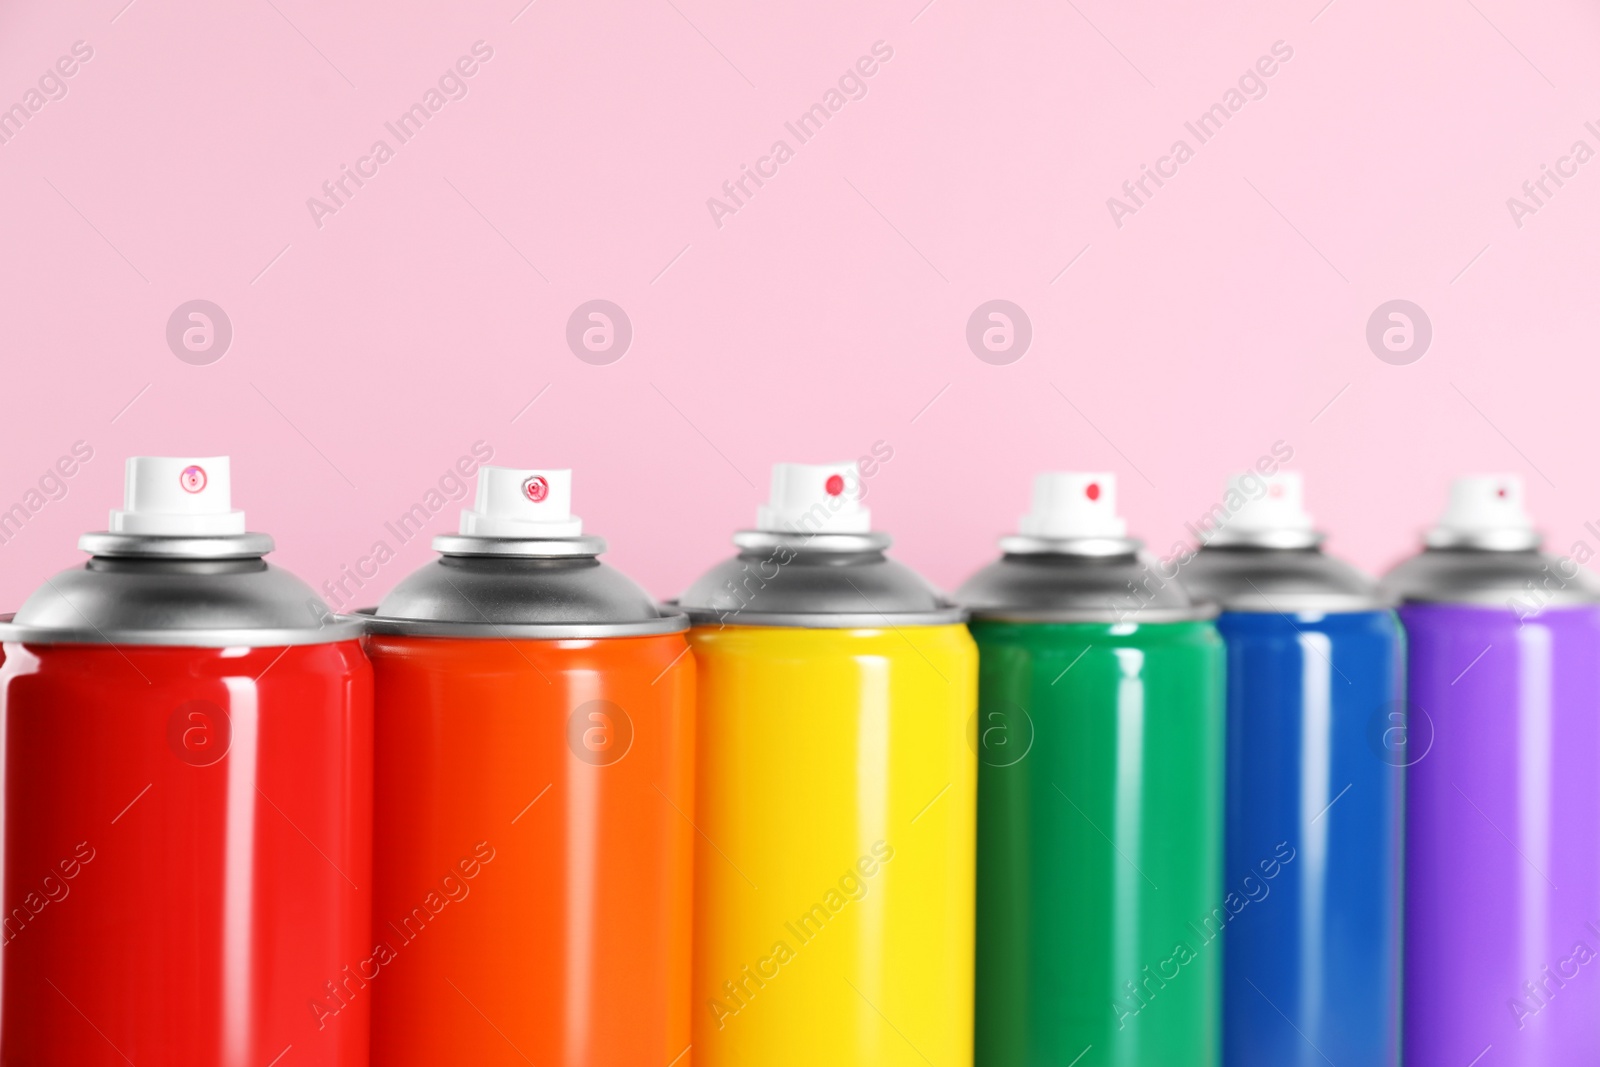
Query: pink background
column 370, row 353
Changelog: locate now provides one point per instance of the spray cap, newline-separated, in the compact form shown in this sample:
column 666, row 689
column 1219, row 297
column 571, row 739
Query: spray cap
column 814, row 498
column 1484, row 506
column 522, row 503
column 1074, row 504
column 1272, row 503
column 177, row 496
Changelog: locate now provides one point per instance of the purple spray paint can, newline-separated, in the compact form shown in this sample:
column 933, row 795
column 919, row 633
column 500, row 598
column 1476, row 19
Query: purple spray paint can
column 1502, row 735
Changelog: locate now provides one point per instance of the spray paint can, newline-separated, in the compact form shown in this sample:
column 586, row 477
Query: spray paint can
column 534, row 798
column 1502, row 926
column 835, row 798
column 1315, row 806
column 188, row 762
column 1100, row 739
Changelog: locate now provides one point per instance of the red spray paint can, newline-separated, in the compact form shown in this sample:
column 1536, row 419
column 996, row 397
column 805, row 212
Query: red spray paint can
column 187, row 775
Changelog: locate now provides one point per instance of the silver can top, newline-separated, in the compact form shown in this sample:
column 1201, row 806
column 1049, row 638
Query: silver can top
column 1485, row 551
column 819, row 581
column 1104, row 580
column 520, row 568
column 1237, row 575
column 1264, row 555
column 814, row 561
column 177, row 568
column 1522, row 579
column 1073, row 562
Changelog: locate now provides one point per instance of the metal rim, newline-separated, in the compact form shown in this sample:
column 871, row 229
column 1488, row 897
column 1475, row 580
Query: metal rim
column 1509, row 579
column 151, row 546
column 341, row 628
column 866, row 620
column 765, row 540
column 1497, row 599
column 1194, row 613
column 1278, row 539
column 1308, row 603
column 372, row 623
column 1484, row 540
column 525, row 547
column 1088, row 547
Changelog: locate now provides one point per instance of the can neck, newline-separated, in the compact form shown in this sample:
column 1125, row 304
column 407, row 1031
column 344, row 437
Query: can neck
column 1109, row 549
column 863, row 545
column 109, row 545
column 1504, row 540
column 511, row 566
column 462, row 546
column 1266, row 540
column 174, row 566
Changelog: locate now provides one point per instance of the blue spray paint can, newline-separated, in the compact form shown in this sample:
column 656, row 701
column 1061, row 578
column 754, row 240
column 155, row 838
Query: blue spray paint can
column 1316, row 782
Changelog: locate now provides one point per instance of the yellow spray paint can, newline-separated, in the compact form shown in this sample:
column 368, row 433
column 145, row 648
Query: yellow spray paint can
column 836, row 796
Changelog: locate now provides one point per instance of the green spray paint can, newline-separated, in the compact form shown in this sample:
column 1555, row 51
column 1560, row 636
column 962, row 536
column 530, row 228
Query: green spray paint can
column 1100, row 796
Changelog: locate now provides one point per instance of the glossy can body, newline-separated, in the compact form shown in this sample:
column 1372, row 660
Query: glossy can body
column 1502, row 936
column 533, row 850
column 834, row 876
column 1099, row 844
column 187, row 854
column 1314, row 838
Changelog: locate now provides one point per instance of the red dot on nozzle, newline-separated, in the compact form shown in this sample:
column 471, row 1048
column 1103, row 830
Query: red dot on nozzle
column 536, row 488
column 1501, row 492
column 192, row 479
column 1092, row 491
column 834, row 485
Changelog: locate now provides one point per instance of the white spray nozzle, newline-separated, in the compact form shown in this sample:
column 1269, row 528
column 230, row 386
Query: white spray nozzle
column 177, row 496
column 1266, row 503
column 1071, row 504
column 814, row 498
column 1485, row 503
column 522, row 503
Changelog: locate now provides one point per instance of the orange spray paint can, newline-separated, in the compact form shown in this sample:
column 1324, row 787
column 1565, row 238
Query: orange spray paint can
column 533, row 777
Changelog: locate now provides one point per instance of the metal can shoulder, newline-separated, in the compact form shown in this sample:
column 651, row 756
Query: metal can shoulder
column 202, row 603
column 514, row 587
column 1280, row 581
column 1524, row 579
column 1099, row 580
column 824, row 581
